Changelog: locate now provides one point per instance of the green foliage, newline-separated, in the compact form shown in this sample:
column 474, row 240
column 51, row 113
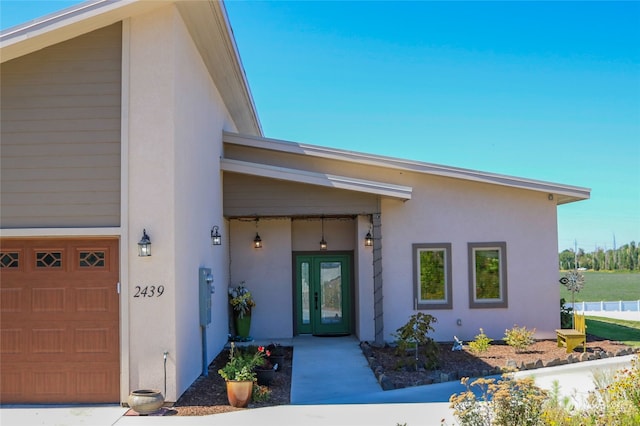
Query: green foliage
column 616, row 401
column 507, row 402
column 607, row 286
column 625, row 258
column 432, row 274
column 566, row 315
column 260, row 393
column 480, row 343
column 487, row 273
column 519, row 338
column 625, row 331
column 241, row 364
column 412, row 337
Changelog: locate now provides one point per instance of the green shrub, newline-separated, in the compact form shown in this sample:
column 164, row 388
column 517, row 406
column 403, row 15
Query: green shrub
column 480, row 343
column 260, row 393
column 566, row 315
column 412, row 337
column 519, row 338
column 616, row 401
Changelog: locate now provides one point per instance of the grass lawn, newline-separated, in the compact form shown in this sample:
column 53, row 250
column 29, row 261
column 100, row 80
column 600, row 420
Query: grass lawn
column 627, row 332
column 607, row 286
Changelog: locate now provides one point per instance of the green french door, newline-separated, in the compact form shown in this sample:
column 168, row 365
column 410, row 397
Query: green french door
column 323, row 283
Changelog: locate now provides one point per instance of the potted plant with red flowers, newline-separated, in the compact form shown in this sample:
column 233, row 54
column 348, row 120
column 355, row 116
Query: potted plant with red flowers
column 239, row 374
column 276, row 356
column 265, row 372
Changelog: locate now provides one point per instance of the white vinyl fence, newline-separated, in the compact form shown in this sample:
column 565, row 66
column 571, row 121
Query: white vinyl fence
column 619, row 306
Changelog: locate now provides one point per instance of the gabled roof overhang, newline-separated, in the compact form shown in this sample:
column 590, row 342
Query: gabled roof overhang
column 206, row 21
column 562, row 193
column 320, row 179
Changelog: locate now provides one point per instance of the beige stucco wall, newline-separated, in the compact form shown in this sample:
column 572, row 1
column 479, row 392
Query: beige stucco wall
column 268, row 272
column 175, row 192
column 459, row 212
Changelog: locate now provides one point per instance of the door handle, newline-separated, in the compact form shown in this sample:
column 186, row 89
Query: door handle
column 315, row 298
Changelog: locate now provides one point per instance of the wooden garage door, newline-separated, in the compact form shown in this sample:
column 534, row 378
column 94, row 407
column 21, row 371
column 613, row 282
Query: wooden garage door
column 59, row 321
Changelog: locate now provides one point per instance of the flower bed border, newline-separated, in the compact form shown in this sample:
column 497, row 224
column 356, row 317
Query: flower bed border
column 511, row 366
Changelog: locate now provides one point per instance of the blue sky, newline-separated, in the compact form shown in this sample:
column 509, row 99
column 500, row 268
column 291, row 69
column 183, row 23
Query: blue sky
column 541, row 90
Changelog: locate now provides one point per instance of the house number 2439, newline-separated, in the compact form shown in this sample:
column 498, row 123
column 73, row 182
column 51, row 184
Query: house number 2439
column 149, row 291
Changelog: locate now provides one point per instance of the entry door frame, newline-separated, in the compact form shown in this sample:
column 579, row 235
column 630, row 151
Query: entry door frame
column 350, row 316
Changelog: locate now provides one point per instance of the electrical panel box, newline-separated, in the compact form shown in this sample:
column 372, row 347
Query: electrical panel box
column 206, row 289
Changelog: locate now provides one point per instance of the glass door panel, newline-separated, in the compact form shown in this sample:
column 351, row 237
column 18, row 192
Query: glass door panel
column 331, row 291
column 323, row 294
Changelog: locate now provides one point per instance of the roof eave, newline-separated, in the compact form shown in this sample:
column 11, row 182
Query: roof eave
column 565, row 193
column 319, row 179
column 206, row 21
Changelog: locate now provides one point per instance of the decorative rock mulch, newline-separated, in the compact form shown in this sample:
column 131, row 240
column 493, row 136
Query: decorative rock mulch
column 499, row 359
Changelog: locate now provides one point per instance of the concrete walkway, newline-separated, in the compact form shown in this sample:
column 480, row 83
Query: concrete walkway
column 331, row 385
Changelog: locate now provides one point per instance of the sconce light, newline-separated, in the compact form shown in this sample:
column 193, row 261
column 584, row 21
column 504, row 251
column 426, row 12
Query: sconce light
column 368, row 240
column 144, row 246
column 323, row 243
column 216, row 239
column 257, row 241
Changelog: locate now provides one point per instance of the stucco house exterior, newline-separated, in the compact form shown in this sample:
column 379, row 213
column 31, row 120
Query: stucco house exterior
column 128, row 116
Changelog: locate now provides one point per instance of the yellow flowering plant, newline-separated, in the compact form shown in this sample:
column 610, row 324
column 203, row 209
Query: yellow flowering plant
column 241, row 300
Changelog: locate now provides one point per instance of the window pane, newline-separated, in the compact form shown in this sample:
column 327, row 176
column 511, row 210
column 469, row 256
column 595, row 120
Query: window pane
column 331, row 291
column 487, row 264
column 304, row 276
column 432, row 275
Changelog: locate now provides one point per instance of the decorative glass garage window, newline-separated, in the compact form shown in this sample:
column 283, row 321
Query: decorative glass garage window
column 432, row 276
column 488, row 275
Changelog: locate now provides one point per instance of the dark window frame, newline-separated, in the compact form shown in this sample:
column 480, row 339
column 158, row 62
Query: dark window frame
column 503, row 300
column 447, row 303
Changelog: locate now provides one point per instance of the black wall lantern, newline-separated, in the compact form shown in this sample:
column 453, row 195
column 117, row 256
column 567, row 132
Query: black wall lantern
column 257, row 241
column 368, row 240
column 216, row 239
column 323, row 243
column 144, row 246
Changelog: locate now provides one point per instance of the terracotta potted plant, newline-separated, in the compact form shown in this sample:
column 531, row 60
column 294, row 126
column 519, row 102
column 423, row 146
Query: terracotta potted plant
column 239, row 375
column 242, row 302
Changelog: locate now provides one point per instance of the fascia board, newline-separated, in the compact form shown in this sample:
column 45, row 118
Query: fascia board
column 67, row 24
column 319, row 179
column 569, row 193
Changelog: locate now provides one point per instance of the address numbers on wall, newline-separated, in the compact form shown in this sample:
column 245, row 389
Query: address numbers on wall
column 149, row 291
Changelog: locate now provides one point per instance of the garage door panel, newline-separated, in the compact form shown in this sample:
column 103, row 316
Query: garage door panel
column 59, row 321
column 48, row 300
column 13, row 342
column 11, row 300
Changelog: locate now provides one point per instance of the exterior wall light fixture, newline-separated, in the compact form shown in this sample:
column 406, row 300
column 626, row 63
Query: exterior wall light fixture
column 323, row 243
column 144, row 245
column 257, row 241
column 368, row 240
column 216, row 239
